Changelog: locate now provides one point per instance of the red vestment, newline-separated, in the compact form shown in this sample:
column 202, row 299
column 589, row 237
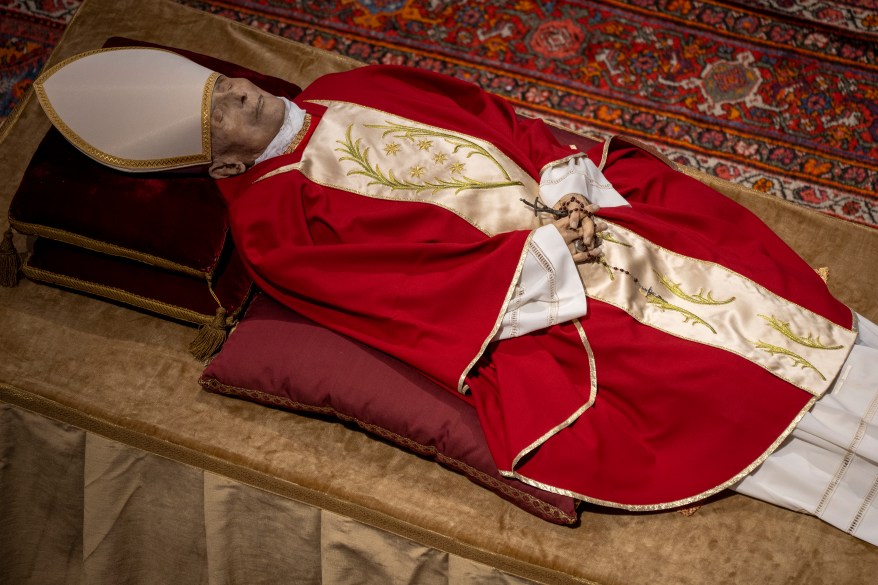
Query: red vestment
column 672, row 420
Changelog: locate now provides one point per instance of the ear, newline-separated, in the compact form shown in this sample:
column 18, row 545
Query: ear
column 223, row 167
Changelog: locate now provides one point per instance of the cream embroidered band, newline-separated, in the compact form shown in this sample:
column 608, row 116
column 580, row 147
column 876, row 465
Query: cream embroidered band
column 378, row 154
column 382, row 155
column 710, row 304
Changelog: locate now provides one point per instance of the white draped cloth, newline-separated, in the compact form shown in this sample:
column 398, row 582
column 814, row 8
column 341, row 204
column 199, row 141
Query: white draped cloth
column 828, row 466
column 549, row 290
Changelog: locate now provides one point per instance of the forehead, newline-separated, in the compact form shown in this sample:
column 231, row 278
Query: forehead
column 224, row 84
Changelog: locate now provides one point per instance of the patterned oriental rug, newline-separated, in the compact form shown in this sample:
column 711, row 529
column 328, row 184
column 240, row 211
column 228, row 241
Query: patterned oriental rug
column 777, row 95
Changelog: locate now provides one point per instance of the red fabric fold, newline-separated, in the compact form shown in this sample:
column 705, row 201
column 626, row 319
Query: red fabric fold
column 672, row 419
column 408, row 278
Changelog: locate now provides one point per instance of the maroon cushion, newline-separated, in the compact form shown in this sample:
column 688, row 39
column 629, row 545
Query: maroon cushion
column 175, row 220
column 179, row 223
column 141, row 285
column 152, row 240
column 278, row 358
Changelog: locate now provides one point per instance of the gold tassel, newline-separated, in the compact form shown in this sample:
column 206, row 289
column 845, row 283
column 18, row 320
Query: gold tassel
column 690, row 510
column 210, row 337
column 10, row 261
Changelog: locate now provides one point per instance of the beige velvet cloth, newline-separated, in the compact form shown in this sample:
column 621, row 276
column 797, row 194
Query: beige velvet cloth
column 115, row 467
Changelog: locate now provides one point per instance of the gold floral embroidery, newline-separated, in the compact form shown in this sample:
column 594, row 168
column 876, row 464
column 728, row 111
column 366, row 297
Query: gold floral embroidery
column 734, row 327
column 457, row 167
column 353, row 151
column 391, row 148
column 607, row 236
column 797, row 359
column 603, row 262
column 411, row 133
column 663, row 305
column 698, row 298
column 783, row 327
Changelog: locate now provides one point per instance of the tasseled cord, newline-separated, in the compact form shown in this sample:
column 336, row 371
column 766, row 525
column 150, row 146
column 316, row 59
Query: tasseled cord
column 10, row 261
column 210, row 337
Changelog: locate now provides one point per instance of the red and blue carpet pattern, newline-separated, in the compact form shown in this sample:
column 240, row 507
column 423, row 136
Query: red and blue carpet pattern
column 28, row 33
column 778, row 95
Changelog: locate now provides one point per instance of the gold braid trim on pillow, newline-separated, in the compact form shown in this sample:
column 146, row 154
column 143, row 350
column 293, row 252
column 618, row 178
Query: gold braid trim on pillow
column 117, row 294
column 103, row 247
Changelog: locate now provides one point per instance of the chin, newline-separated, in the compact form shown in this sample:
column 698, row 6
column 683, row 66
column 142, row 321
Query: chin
column 273, row 112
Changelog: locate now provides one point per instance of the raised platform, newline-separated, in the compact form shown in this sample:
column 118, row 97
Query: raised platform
column 115, row 462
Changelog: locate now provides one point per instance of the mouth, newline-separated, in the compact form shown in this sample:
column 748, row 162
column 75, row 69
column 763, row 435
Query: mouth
column 259, row 104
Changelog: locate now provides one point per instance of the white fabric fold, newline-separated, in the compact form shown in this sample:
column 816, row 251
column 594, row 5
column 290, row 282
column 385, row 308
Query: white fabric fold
column 828, row 467
column 549, row 289
column 578, row 175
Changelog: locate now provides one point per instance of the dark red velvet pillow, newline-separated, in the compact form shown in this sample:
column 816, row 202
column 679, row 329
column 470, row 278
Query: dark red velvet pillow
column 155, row 240
column 134, row 283
column 173, row 220
column 278, row 358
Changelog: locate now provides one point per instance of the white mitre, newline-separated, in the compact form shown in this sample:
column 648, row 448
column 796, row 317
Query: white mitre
column 134, row 109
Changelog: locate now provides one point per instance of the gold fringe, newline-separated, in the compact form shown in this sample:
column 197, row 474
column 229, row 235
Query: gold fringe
column 210, row 337
column 10, row 261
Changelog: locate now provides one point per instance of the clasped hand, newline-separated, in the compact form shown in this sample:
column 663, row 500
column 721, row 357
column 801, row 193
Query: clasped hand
column 579, row 227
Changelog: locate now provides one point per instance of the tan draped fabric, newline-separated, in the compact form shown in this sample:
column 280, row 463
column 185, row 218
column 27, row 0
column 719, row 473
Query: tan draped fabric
column 78, row 507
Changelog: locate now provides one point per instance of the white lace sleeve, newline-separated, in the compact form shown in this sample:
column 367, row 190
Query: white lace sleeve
column 549, row 289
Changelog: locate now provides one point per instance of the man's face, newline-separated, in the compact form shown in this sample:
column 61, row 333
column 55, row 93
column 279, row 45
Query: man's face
column 243, row 119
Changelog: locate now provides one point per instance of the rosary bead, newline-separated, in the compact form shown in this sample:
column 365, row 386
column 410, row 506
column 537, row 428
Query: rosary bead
column 646, row 291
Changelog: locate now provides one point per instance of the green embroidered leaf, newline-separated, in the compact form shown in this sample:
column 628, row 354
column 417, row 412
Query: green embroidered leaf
column 797, row 359
column 698, row 298
column 783, row 327
column 606, row 236
column 354, row 152
column 663, row 305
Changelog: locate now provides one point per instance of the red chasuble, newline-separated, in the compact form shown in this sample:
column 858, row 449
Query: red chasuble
column 397, row 221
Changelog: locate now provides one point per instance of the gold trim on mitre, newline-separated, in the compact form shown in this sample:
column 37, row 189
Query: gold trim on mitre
column 109, row 114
